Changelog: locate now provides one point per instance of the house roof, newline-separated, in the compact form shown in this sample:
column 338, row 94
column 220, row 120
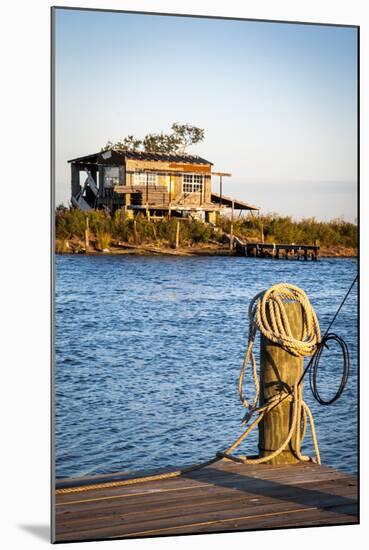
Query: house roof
column 111, row 156
column 227, row 201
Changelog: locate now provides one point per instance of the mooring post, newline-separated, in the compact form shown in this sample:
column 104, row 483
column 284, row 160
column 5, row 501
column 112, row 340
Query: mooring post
column 279, row 369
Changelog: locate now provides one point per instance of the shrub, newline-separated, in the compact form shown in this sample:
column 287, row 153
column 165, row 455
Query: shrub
column 276, row 228
column 283, row 229
column 61, row 246
column 103, row 240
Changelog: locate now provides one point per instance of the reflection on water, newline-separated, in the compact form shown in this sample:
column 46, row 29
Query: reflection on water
column 148, row 351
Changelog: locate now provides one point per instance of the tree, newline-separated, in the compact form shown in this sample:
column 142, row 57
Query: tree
column 109, row 145
column 163, row 143
column 181, row 137
column 130, row 143
column 187, row 134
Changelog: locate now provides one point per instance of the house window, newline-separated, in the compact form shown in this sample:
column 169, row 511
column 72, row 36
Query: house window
column 193, row 183
column 141, row 179
column 111, row 176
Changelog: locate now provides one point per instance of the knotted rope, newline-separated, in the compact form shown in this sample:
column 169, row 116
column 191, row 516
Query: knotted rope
column 267, row 314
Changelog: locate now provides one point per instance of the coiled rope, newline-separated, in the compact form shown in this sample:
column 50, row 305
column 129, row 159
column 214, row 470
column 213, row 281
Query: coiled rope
column 267, row 314
column 315, row 365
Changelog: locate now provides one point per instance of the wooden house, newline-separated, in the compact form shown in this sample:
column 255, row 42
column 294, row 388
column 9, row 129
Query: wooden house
column 156, row 183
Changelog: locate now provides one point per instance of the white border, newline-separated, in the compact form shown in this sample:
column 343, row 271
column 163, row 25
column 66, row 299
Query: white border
column 25, row 267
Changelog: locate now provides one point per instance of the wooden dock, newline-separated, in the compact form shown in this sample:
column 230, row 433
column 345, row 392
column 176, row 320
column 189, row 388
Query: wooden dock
column 225, row 496
column 277, row 251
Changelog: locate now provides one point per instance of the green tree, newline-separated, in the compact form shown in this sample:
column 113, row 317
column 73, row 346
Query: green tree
column 187, row 134
column 161, row 143
column 181, row 137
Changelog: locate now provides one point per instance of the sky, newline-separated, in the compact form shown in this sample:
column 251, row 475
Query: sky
column 277, row 101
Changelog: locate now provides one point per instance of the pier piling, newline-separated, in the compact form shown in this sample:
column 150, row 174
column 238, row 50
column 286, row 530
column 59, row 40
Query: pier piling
column 177, row 235
column 277, row 251
column 87, row 234
column 279, row 370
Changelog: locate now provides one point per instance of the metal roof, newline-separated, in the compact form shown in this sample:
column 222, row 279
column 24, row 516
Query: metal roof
column 227, row 201
column 103, row 156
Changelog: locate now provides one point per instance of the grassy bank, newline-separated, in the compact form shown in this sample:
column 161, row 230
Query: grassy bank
column 336, row 238
column 106, row 230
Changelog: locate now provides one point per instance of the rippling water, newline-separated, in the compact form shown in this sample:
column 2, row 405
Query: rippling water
column 148, row 352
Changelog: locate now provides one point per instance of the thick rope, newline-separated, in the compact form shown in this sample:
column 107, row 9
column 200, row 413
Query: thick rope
column 267, row 314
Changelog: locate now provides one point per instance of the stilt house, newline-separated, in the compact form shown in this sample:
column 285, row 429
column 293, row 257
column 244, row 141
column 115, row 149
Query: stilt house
column 156, row 183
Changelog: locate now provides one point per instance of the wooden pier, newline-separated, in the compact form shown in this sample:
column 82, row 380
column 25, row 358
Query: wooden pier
column 225, row 496
column 277, row 251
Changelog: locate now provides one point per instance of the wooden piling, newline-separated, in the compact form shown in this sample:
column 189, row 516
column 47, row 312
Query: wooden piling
column 177, row 235
column 87, row 234
column 279, row 369
column 231, row 238
column 282, row 250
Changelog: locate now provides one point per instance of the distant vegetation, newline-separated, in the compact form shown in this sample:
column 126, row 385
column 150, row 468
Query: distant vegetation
column 283, row 229
column 104, row 229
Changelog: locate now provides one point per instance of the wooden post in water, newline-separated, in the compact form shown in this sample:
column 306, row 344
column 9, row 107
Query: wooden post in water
column 279, row 369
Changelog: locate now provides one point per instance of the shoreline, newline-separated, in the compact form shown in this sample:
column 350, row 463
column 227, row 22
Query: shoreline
column 78, row 248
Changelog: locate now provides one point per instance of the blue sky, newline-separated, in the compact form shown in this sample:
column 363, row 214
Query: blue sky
column 278, row 102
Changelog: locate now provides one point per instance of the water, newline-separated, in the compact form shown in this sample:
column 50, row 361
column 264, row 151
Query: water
column 148, row 352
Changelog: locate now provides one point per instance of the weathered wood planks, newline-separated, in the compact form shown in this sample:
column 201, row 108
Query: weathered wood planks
column 269, row 250
column 223, row 497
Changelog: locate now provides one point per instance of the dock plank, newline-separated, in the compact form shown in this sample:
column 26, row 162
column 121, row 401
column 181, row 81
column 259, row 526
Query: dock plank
column 225, row 496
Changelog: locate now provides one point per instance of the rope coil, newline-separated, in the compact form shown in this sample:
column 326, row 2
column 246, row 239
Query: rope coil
column 267, row 314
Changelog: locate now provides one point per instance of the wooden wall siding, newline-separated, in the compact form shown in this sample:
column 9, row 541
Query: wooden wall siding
column 173, row 182
column 207, row 193
column 193, row 199
column 137, row 165
column 198, row 168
